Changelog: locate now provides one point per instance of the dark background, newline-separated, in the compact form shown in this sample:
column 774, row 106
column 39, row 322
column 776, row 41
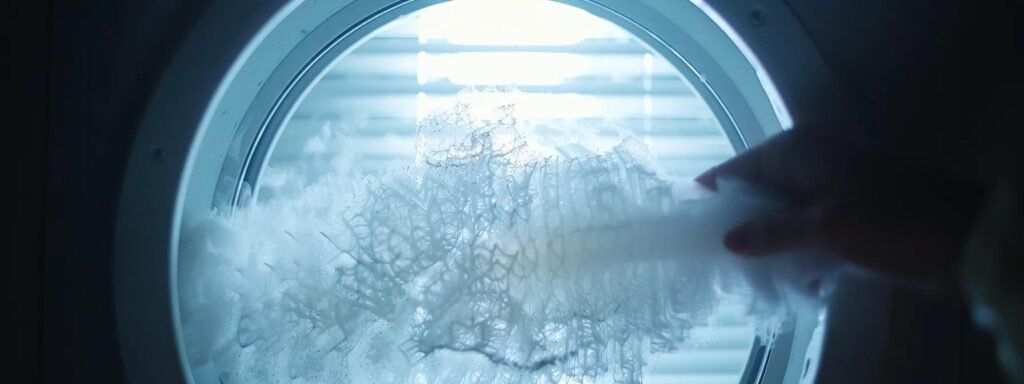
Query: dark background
column 76, row 76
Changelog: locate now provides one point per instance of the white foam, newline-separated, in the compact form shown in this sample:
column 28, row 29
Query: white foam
column 492, row 261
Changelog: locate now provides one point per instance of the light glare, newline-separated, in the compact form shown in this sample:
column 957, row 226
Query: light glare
column 528, row 105
column 501, row 68
column 511, row 22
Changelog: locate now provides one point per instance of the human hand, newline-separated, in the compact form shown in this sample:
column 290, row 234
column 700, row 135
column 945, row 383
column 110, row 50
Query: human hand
column 880, row 212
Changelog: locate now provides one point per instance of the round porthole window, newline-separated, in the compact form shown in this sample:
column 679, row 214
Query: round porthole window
column 380, row 191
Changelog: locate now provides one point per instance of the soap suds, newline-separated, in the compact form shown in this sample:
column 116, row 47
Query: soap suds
column 495, row 259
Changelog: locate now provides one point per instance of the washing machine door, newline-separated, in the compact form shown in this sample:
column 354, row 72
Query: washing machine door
column 240, row 78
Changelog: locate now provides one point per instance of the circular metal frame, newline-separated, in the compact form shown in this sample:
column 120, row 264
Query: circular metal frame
column 746, row 115
column 245, row 66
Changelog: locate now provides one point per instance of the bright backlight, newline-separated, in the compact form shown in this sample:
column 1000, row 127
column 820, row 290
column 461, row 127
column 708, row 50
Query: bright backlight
column 529, row 106
column 511, row 22
column 501, row 68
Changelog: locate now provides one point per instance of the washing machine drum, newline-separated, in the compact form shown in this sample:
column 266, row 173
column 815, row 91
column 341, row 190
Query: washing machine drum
column 417, row 191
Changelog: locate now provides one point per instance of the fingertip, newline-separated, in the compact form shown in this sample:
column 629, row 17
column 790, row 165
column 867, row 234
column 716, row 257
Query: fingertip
column 708, row 180
column 769, row 235
column 741, row 240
